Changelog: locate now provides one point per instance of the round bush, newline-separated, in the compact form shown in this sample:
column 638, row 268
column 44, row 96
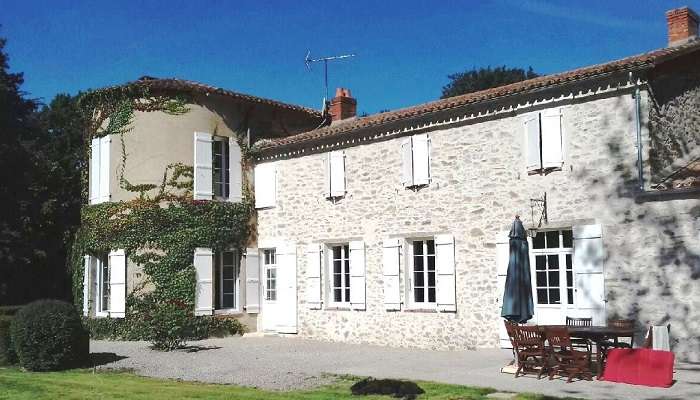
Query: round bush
column 49, row 335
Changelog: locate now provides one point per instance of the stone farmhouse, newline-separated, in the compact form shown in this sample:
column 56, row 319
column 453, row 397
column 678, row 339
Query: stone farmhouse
column 391, row 228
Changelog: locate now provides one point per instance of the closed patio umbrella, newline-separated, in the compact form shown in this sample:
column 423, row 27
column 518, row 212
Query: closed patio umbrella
column 517, row 297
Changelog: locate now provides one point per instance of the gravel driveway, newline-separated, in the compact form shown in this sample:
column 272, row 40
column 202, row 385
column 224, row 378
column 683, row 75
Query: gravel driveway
column 283, row 363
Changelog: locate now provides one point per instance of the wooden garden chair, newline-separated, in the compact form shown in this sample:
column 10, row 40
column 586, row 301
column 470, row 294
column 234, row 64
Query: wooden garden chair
column 566, row 361
column 530, row 350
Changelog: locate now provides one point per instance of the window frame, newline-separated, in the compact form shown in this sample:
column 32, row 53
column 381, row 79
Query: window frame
column 409, row 275
column 266, row 267
column 219, row 276
column 224, row 187
column 103, row 283
column 345, row 285
column 561, row 252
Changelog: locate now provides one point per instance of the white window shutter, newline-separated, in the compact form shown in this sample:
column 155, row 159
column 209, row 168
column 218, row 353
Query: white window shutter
column 552, row 155
column 391, row 258
column 589, row 275
column 532, row 141
column 235, row 171
column 337, row 173
column 117, row 283
column 445, row 269
column 105, row 146
column 407, row 162
column 252, row 281
column 502, row 258
column 95, row 170
column 313, row 276
column 327, row 176
column 203, row 169
column 204, row 291
column 286, row 255
column 421, row 160
column 87, row 263
column 265, row 185
column 357, row 275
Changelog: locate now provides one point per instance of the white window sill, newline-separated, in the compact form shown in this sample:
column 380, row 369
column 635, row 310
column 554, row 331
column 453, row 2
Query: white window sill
column 338, row 307
column 423, row 309
column 102, row 314
column 228, row 311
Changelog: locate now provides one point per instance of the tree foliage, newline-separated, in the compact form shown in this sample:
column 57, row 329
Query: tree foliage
column 484, row 78
column 40, row 191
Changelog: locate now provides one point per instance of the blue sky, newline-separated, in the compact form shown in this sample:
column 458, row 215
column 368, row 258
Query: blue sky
column 405, row 49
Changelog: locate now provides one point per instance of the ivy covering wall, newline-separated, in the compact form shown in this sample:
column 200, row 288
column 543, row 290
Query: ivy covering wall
column 159, row 229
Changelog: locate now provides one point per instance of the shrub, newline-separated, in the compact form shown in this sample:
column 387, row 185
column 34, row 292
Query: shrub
column 169, row 325
column 7, row 354
column 49, row 335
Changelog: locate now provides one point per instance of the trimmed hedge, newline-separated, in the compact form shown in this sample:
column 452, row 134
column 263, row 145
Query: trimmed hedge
column 7, row 354
column 49, row 335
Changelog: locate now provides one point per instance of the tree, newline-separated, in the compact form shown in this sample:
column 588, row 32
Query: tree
column 484, row 78
column 40, row 156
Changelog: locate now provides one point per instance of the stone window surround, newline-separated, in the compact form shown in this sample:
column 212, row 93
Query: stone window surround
column 408, row 274
column 237, row 287
column 328, row 260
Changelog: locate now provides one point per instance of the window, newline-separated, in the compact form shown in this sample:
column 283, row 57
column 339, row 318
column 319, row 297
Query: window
column 422, row 273
column 220, row 166
column 270, row 267
column 102, row 285
column 227, row 271
column 415, row 155
column 339, row 274
column 554, row 275
column 543, row 135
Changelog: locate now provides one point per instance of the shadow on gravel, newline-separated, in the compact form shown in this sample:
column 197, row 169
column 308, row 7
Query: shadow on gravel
column 391, row 387
column 97, row 359
column 196, row 349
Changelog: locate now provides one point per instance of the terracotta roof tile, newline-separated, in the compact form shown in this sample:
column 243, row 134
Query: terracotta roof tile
column 642, row 61
column 196, row 87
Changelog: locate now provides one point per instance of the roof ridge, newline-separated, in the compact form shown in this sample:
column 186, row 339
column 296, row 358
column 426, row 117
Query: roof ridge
column 647, row 59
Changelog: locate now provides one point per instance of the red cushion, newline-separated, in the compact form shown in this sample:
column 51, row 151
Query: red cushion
column 639, row 367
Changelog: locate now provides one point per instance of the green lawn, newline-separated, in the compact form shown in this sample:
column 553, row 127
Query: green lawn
column 84, row 384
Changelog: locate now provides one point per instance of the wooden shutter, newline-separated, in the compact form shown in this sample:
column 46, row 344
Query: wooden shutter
column 203, row 185
column 235, row 171
column 265, row 185
column 204, row 271
column 407, row 162
column 95, row 170
column 532, row 141
column 421, row 160
column 445, row 272
column 589, row 275
column 502, row 258
column 287, row 287
column 391, row 263
column 357, row 275
column 552, row 155
column 252, row 281
column 87, row 278
column 105, row 146
column 337, row 171
column 313, row 276
column 117, row 283
column 327, row 176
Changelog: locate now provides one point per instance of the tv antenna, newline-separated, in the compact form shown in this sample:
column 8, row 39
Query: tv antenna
column 308, row 62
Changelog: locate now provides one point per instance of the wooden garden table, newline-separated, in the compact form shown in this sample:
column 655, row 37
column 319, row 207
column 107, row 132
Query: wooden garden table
column 596, row 334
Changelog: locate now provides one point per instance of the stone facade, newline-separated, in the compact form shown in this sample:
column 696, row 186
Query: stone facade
column 479, row 182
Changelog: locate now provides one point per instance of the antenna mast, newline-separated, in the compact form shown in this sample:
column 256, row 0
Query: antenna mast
column 308, row 62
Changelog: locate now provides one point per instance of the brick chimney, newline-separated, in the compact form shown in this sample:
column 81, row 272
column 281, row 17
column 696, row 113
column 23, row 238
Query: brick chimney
column 682, row 25
column 343, row 105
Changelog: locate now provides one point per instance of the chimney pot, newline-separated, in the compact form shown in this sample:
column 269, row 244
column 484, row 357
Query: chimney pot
column 343, row 105
column 682, row 25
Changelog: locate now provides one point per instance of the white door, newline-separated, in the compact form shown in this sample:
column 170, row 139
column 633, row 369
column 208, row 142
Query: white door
column 279, row 309
column 551, row 266
column 567, row 275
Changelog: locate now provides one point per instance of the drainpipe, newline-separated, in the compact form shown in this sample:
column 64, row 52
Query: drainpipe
column 638, row 126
